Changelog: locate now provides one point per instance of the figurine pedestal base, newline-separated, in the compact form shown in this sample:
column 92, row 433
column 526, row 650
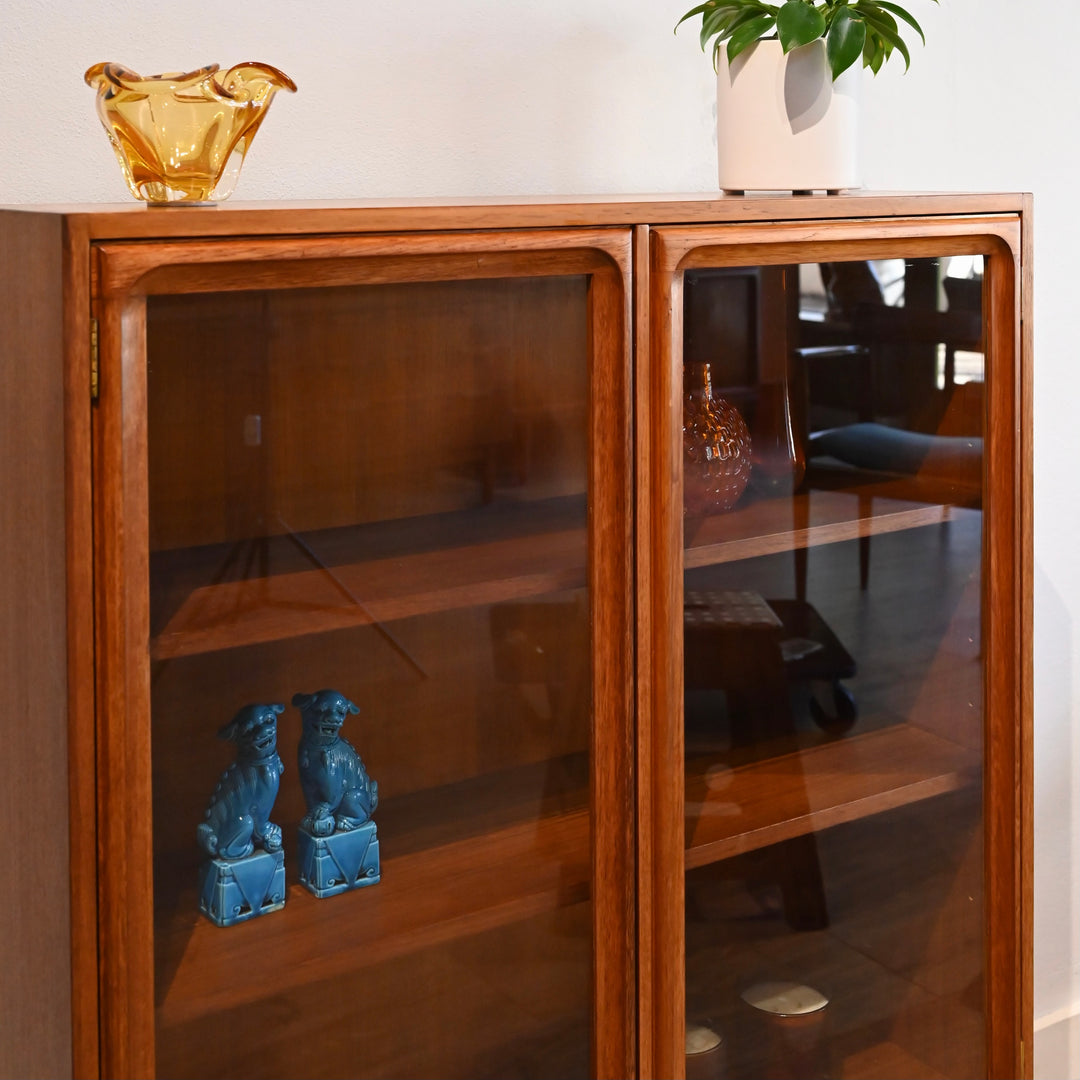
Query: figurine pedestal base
column 235, row 890
column 344, row 860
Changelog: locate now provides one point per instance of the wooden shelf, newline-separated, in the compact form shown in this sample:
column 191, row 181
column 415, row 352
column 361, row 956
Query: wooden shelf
column 731, row 811
column 374, row 574
column 437, row 894
column 768, row 526
column 423, row 899
column 377, row 590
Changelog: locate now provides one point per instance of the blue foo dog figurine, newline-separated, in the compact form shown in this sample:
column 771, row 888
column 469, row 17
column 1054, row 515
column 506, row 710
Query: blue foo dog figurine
column 339, row 849
column 244, row 875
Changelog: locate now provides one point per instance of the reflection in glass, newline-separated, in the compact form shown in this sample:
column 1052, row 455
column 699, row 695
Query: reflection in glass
column 778, row 455
column 380, row 489
column 716, row 447
column 834, row 674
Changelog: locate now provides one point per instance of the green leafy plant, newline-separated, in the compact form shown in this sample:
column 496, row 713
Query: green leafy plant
column 866, row 28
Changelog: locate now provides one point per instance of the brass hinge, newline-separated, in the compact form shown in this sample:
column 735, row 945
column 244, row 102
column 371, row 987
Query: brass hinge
column 1022, row 1062
column 94, row 360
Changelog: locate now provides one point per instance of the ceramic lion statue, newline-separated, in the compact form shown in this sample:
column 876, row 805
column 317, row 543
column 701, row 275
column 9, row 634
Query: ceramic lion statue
column 238, row 817
column 339, row 793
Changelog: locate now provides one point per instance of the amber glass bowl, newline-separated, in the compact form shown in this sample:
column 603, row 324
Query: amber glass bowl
column 182, row 138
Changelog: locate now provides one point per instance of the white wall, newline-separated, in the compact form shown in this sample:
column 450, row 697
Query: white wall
column 504, row 97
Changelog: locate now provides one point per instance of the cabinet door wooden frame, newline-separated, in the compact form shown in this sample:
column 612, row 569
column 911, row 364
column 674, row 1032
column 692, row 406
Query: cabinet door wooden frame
column 79, row 264
column 124, row 274
column 664, row 254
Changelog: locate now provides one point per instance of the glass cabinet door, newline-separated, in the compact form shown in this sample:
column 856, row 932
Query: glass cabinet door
column 371, row 500
column 844, row 597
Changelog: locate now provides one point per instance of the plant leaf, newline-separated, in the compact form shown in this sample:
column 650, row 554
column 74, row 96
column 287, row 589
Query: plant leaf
column 799, row 23
column 696, row 11
column 884, row 26
column 741, row 13
column 844, row 44
column 873, row 53
column 716, row 22
column 876, row 22
column 869, row 9
column 749, row 13
column 747, row 33
column 900, row 13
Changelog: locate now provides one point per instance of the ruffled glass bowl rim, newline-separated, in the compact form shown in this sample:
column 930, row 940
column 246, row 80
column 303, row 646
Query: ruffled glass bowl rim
column 132, row 82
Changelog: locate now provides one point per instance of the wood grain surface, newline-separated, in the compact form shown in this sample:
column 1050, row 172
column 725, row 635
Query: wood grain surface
column 284, row 606
column 602, row 556
column 122, row 612
column 732, row 811
column 998, row 238
column 1025, row 574
column 648, row 934
column 323, row 261
column 769, row 526
column 794, row 242
column 1007, row 718
column 611, row 597
column 35, row 935
column 82, row 739
column 136, row 221
column 289, row 605
column 661, row 643
column 424, row 898
column 611, row 878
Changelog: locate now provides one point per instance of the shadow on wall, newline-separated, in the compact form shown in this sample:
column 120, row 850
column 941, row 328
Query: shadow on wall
column 1057, row 898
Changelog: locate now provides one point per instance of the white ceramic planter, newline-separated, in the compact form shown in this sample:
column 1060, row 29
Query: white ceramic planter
column 782, row 124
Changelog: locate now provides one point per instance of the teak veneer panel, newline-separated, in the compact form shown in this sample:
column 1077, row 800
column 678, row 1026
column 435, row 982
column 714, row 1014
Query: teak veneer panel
column 1007, row 581
column 126, row 275
column 193, row 266
column 134, row 221
column 54, row 272
column 1026, row 735
column 999, row 235
column 35, row 917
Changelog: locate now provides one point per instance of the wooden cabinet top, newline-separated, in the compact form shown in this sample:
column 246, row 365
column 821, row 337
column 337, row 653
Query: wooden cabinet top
column 136, row 221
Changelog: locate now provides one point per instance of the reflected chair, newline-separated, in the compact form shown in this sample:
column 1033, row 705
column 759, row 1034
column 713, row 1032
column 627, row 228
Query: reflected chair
column 923, row 444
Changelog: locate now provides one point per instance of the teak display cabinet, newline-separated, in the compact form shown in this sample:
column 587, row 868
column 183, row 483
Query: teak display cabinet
column 645, row 766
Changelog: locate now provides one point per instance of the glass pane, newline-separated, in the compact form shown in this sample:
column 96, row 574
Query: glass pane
column 833, row 427
column 378, row 491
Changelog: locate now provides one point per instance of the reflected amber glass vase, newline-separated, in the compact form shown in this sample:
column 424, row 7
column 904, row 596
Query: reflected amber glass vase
column 182, row 138
column 716, row 447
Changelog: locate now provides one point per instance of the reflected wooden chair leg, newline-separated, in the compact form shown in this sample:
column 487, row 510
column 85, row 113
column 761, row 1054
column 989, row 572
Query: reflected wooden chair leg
column 766, row 708
column 801, row 884
column 800, row 515
column 866, row 508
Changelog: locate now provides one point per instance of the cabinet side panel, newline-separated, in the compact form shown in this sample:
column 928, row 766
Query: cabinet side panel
column 35, row 991
column 1027, row 634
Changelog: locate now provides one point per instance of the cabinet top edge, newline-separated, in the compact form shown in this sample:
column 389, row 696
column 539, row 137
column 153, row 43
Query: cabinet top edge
column 107, row 221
